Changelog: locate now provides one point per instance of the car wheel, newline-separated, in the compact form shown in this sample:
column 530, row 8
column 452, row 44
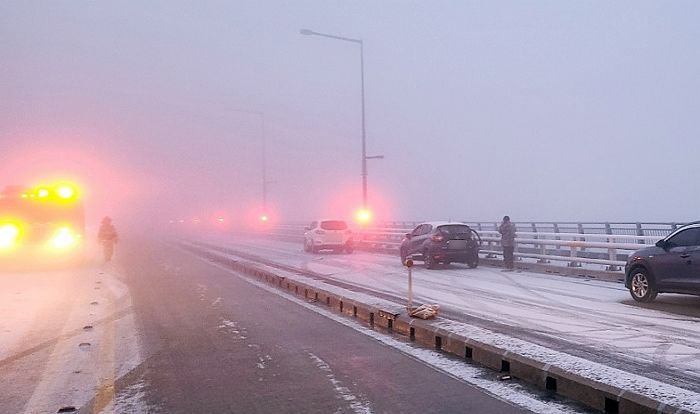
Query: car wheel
column 348, row 248
column 473, row 261
column 641, row 285
column 428, row 260
column 447, row 262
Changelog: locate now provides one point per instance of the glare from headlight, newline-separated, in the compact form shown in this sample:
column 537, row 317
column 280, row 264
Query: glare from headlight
column 64, row 238
column 65, row 191
column 8, row 235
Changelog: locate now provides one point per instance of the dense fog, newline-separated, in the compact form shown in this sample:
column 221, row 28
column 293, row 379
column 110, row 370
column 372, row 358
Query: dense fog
column 541, row 110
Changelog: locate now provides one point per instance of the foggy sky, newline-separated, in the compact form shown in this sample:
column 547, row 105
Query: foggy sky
column 543, row 110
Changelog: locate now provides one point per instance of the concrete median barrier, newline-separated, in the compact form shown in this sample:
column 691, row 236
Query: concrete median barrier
column 597, row 394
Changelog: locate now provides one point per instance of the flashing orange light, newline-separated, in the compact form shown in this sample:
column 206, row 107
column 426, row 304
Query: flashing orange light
column 363, row 216
column 264, row 218
column 42, row 193
column 220, row 219
column 8, row 235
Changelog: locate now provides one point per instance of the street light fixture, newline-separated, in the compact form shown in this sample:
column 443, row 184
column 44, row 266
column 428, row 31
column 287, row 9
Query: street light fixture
column 308, row 32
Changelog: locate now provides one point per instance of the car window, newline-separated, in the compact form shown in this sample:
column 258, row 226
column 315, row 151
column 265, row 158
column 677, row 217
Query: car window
column 416, row 231
column 455, row 229
column 688, row 237
column 334, row 225
column 426, row 229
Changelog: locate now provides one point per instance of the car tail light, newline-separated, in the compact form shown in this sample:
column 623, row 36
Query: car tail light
column 436, row 237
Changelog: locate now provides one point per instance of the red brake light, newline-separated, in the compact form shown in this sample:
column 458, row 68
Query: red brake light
column 436, row 237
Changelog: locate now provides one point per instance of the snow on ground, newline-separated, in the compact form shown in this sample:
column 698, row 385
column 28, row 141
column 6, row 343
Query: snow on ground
column 596, row 314
column 67, row 336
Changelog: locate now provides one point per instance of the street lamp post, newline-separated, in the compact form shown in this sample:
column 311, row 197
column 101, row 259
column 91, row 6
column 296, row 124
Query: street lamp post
column 308, row 32
column 265, row 182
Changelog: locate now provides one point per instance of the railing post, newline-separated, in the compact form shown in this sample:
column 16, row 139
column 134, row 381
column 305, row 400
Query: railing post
column 640, row 232
column 612, row 255
column 574, row 262
column 583, row 239
column 491, row 244
column 543, row 252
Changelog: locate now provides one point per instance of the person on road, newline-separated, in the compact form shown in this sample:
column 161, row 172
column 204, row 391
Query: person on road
column 107, row 237
column 507, row 230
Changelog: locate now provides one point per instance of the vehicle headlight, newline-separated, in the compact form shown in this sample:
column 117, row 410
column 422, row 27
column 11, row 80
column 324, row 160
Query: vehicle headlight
column 65, row 191
column 8, row 235
column 64, row 238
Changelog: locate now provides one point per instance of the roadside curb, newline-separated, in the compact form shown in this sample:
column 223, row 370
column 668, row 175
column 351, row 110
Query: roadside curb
column 594, row 394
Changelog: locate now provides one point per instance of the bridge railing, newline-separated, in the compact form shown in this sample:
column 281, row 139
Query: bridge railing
column 607, row 244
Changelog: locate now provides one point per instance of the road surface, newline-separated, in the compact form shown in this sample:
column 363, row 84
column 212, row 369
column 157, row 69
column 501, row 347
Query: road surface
column 163, row 331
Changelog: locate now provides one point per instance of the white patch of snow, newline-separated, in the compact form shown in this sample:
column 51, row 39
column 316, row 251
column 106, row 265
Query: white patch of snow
column 358, row 404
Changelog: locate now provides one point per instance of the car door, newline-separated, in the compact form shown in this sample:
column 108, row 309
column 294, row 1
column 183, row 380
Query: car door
column 673, row 269
column 692, row 281
column 422, row 236
column 411, row 240
column 417, row 237
column 689, row 274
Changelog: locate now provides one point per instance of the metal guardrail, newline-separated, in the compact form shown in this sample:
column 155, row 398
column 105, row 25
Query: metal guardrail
column 607, row 244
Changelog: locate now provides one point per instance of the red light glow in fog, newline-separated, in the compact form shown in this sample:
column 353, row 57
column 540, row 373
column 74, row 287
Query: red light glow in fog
column 363, row 216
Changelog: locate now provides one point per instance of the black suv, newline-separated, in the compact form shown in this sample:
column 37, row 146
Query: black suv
column 442, row 242
column 672, row 266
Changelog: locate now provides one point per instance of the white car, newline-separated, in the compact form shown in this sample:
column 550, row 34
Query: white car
column 328, row 234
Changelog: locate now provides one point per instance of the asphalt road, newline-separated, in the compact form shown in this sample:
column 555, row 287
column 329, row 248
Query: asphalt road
column 214, row 343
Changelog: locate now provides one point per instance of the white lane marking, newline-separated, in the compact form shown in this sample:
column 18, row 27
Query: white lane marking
column 509, row 392
column 358, row 404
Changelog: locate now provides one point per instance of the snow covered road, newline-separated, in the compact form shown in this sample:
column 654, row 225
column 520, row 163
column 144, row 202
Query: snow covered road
column 592, row 319
column 67, row 336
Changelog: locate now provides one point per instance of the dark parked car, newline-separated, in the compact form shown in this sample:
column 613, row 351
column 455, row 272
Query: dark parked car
column 442, row 242
column 672, row 266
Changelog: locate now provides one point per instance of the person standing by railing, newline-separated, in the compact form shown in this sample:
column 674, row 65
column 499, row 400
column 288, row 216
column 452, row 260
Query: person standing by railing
column 507, row 230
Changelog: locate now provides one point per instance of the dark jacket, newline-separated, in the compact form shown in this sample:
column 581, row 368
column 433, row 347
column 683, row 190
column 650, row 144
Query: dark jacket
column 107, row 232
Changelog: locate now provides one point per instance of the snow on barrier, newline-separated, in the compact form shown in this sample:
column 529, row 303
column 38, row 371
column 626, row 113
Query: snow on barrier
column 598, row 386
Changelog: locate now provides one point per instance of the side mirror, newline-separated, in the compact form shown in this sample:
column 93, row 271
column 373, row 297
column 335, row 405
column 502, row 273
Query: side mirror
column 409, row 235
column 662, row 243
